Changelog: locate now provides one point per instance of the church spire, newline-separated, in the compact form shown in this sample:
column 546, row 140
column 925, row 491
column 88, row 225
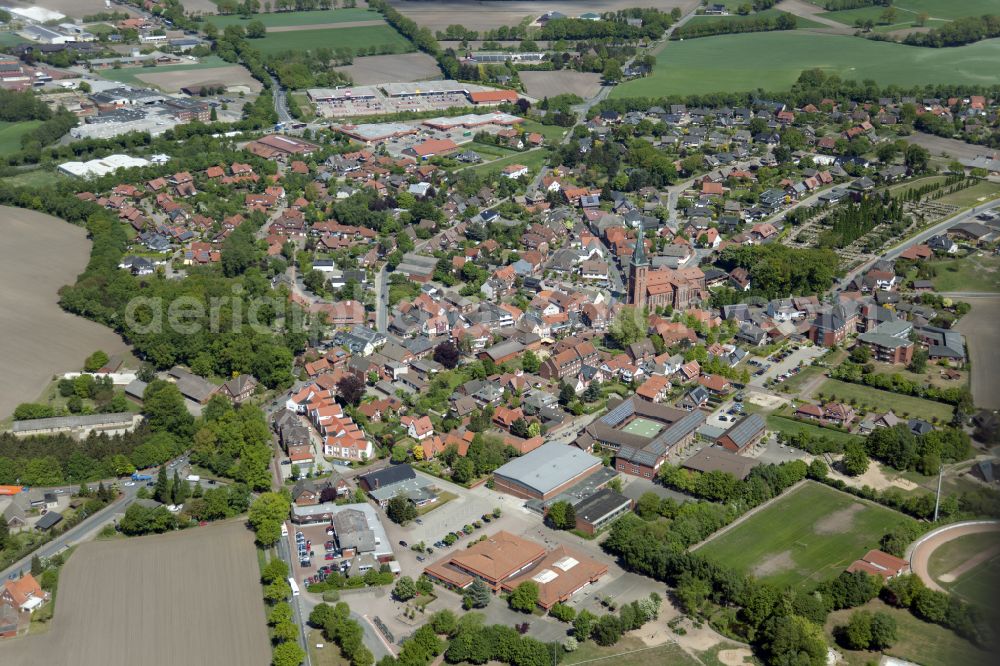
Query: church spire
column 639, row 255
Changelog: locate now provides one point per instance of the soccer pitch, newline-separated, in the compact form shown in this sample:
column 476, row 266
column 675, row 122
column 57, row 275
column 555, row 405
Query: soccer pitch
column 643, row 428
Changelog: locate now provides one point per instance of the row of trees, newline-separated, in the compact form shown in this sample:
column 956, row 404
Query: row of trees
column 340, row 629
column 734, row 25
column 963, row 30
column 284, row 630
column 763, row 483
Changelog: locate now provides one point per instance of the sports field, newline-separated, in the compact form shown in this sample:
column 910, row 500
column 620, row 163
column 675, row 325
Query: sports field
column 876, row 400
column 283, row 19
column 643, row 428
column 774, row 60
column 190, row 597
column 969, row 567
column 333, row 38
column 808, row 536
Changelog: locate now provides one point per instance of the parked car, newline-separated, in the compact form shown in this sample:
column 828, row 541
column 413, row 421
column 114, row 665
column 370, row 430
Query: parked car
column 420, row 558
column 403, row 544
column 328, row 556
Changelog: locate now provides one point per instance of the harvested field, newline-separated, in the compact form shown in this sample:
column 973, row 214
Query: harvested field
column 234, row 75
column 982, row 337
column 200, row 6
column 488, row 14
column 550, row 84
column 39, row 255
column 378, row 34
column 277, row 21
column 373, row 70
column 953, row 148
column 807, row 536
column 189, row 597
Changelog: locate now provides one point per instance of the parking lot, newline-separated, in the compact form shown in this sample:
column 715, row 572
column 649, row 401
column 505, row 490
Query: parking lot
column 317, row 535
column 780, row 363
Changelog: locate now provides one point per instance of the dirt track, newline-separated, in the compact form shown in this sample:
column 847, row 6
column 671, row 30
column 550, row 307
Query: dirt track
column 921, row 554
column 39, row 254
column 187, row 597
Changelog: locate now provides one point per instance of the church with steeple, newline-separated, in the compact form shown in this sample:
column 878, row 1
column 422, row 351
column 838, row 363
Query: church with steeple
column 638, row 270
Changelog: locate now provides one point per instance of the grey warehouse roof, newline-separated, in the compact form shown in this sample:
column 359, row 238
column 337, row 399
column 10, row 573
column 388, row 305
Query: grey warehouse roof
column 548, row 466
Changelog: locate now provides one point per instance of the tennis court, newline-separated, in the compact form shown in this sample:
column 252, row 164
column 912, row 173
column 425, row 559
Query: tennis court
column 643, row 428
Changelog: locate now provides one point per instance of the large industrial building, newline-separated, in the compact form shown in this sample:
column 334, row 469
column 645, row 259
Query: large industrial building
column 545, row 472
column 504, row 561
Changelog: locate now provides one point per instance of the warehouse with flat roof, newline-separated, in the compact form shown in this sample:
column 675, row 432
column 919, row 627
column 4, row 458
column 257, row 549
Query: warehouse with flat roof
column 545, row 472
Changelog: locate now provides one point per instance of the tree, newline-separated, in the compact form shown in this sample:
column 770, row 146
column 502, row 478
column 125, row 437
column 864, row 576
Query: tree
column 583, row 625
column 918, row 363
column 266, row 514
column 922, row 19
column 524, row 597
column 857, row 635
column 626, row 328
column 478, row 594
column 400, row 510
column 888, row 15
column 405, row 589
column 351, row 389
column 163, row 405
column 792, row 640
column 916, row 157
column 161, row 492
column 95, row 361
column 855, row 459
column 883, row 631
column 530, row 362
column 275, row 569
column 256, row 29
column 36, row 566
column 287, row 654
column 561, row 516
column 607, row 630
column 447, row 354
column 463, row 470
column 613, row 72
column 178, row 490
column 566, row 394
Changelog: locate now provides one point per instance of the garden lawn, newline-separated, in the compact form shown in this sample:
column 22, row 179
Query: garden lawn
column 876, row 400
column 284, row 19
column 332, row 38
column 808, row 536
column 793, row 427
column 976, row 272
column 774, row 60
column 916, row 641
column 552, row 133
column 11, row 133
column 533, row 159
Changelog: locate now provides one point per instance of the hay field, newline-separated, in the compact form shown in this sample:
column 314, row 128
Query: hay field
column 39, row 254
column 190, row 597
column 488, row 14
column 171, row 81
column 982, row 336
column 774, row 60
column 74, row 8
column 381, row 35
column 550, row 84
column 807, row 536
column 373, row 70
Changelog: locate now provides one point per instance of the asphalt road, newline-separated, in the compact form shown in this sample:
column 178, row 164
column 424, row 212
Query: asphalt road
column 89, row 527
column 921, row 237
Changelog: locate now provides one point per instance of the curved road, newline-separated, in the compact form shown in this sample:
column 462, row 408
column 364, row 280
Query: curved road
column 919, row 554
